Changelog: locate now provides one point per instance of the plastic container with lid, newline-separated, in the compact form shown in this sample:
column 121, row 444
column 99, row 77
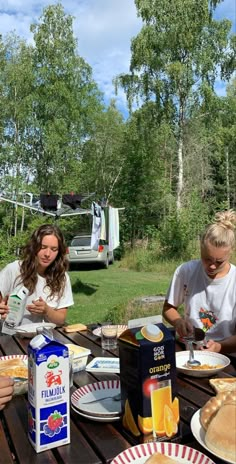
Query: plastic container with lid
column 80, row 356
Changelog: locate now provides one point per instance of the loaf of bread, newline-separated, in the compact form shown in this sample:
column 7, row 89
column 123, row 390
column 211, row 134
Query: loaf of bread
column 74, row 328
column 158, row 458
column 224, row 384
column 218, row 418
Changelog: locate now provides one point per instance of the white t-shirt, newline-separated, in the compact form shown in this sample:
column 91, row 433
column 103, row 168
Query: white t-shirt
column 208, row 303
column 7, row 283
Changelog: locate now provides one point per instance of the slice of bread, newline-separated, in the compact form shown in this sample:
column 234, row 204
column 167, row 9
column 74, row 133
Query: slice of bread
column 224, row 384
column 74, row 328
column 158, row 458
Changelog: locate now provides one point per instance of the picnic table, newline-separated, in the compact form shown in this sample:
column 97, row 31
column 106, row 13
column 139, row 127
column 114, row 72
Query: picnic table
column 91, row 442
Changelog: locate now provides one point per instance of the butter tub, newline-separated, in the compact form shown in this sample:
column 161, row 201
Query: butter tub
column 80, row 356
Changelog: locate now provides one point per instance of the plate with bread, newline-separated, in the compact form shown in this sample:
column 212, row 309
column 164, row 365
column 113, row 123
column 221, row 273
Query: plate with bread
column 16, row 366
column 161, row 453
column 211, row 363
column 214, row 425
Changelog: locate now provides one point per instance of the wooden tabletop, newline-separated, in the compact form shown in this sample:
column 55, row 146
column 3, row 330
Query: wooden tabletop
column 91, row 442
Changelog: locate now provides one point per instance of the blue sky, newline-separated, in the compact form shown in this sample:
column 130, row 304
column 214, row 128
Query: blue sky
column 104, row 29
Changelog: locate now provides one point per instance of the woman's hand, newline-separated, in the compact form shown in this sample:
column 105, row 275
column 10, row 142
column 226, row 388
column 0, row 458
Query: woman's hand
column 41, row 308
column 4, row 309
column 38, row 307
column 6, row 390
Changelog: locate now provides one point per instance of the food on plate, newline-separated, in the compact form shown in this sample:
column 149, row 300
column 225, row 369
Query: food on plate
column 217, row 418
column 204, row 367
column 158, row 458
column 224, row 384
column 13, row 368
column 74, row 327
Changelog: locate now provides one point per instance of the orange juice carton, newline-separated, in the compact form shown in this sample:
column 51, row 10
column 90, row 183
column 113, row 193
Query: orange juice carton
column 48, row 393
column 148, row 383
column 16, row 303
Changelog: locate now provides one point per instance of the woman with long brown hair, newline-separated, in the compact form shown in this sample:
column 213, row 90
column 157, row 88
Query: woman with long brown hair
column 42, row 270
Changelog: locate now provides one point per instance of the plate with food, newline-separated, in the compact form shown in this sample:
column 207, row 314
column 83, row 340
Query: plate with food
column 120, row 329
column 16, row 366
column 161, row 453
column 211, row 363
column 214, row 426
column 29, row 330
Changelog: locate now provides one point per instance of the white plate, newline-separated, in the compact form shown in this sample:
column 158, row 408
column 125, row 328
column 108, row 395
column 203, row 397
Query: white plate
column 182, row 454
column 96, row 418
column 97, row 391
column 30, row 329
column 120, row 329
column 104, row 365
column 205, row 357
column 199, row 433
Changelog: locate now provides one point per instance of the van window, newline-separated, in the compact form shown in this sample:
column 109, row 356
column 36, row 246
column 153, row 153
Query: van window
column 81, row 241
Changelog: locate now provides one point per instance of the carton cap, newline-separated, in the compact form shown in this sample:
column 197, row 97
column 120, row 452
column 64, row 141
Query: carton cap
column 38, row 342
column 152, row 330
column 152, row 333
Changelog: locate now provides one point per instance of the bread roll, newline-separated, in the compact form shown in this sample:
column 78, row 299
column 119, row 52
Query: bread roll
column 158, row 458
column 218, row 418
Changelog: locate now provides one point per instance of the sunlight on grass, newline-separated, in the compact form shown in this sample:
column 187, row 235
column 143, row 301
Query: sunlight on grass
column 99, row 292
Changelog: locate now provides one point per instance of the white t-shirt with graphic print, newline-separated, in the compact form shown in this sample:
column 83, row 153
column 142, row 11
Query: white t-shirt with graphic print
column 7, row 283
column 208, row 303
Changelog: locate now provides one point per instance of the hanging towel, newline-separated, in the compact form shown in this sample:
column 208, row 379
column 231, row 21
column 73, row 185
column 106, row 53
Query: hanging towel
column 103, row 226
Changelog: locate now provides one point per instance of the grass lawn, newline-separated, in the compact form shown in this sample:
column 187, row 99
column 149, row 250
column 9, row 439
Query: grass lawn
column 98, row 292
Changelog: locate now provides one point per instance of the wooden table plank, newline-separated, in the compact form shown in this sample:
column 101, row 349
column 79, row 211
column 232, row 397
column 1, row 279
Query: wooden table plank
column 6, row 455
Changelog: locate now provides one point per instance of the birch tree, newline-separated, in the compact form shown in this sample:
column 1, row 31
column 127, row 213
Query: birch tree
column 175, row 61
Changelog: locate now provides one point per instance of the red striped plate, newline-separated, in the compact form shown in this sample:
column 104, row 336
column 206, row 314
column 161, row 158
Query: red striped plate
column 180, row 453
column 97, row 392
column 24, row 357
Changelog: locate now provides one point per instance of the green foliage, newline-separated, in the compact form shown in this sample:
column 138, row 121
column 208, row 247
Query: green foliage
column 179, row 232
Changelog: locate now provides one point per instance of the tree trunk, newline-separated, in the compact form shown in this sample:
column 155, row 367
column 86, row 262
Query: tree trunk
column 180, row 171
column 227, row 176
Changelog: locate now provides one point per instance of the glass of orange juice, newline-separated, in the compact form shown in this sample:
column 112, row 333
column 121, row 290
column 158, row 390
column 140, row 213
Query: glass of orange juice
column 161, row 395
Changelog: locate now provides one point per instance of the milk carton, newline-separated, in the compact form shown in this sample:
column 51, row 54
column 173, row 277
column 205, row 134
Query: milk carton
column 148, row 383
column 48, row 394
column 16, row 303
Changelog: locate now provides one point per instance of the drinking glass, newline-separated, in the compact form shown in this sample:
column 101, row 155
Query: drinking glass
column 71, row 367
column 109, row 337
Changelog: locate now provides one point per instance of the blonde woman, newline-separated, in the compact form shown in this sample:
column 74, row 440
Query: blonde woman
column 207, row 288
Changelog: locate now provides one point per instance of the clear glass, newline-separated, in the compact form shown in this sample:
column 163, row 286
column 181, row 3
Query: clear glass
column 71, row 367
column 109, row 337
